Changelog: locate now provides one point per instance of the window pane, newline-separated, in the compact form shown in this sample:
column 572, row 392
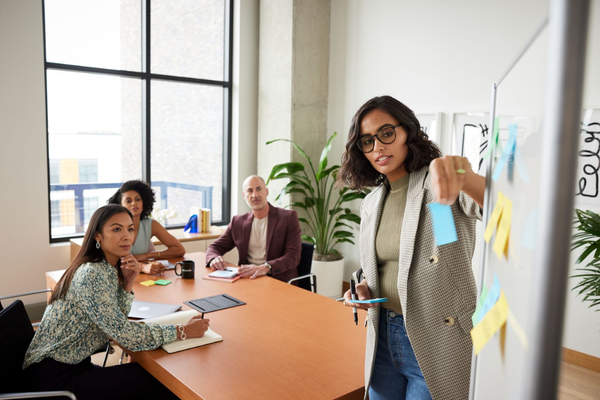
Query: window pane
column 187, row 147
column 187, row 38
column 92, row 33
column 94, row 142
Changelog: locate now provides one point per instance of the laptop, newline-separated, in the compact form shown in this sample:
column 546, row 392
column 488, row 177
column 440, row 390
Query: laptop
column 147, row 309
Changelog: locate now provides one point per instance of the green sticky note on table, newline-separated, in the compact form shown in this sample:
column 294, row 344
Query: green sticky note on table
column 162, row 282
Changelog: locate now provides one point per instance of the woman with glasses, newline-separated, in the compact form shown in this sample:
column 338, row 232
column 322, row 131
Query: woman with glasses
column 418, row 341
column 138, row 197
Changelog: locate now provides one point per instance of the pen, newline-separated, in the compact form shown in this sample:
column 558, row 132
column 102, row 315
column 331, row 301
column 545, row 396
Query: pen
column 353, row 292
column 202, row 317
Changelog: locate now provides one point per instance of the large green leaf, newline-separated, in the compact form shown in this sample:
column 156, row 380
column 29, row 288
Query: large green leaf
column 325, row 152
column 343, row 234
column 325, row 173
column 350, row 217
column 291, row 168
column 309, row 239
column 352, row 196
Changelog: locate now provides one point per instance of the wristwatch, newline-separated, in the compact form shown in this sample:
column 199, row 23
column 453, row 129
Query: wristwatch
column 270, row 268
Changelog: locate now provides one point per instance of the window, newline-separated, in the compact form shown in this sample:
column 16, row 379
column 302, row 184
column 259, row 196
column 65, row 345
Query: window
column 137, row 89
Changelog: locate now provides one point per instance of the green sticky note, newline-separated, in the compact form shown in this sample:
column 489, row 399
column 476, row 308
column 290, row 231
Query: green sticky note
column 162, row 282
column 475, row 317
column 493, row 141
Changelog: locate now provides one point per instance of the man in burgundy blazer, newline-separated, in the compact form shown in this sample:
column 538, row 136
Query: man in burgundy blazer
column 281, row 241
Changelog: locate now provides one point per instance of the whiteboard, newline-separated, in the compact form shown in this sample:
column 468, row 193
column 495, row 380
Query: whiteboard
column 498, row 369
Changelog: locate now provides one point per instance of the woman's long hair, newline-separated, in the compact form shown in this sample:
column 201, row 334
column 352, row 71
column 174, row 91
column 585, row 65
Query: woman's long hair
column 145, row 191
column 88, row 251
column 357, row 172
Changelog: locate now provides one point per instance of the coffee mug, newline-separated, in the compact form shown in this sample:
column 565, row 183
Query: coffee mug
column 188, row 267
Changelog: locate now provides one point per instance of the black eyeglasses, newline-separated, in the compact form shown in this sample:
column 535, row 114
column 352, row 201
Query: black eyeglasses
column 386, row 135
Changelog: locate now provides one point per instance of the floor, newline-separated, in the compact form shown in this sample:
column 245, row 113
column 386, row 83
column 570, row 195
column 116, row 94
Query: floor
column 576, row 383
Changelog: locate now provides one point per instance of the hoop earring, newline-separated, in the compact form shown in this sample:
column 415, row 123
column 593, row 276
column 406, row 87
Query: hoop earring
column 97, row 244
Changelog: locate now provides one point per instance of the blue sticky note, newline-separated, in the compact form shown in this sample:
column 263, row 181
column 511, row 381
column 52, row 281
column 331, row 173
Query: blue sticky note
column 508, row 151
column 491, row 299
column 443, row 224
column 521, row 164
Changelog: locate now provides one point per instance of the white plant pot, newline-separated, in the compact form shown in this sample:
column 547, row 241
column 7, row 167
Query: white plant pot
column 330, row 276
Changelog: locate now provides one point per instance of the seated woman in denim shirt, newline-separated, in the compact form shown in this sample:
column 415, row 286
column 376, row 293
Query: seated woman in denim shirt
column 138, row 197
column 89, row 305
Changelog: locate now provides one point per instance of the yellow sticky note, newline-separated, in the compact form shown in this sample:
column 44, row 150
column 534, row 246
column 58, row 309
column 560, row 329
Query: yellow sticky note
column 148, row 283
column 494, row 218
column 501, row 242
column 518, row 330
column 490, row 324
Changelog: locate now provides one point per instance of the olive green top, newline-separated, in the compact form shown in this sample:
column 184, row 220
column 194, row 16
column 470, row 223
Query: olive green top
column 387, row 243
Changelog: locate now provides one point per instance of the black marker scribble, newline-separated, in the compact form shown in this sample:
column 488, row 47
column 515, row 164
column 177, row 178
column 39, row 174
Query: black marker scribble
column 592, row 161
column 483, row 142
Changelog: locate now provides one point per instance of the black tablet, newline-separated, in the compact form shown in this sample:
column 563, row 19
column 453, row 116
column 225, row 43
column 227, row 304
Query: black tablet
column 214, row 303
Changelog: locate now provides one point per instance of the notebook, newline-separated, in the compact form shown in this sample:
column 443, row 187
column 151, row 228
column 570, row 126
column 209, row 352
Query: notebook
column 147, row 309
column 182, row 317
column 227, row 273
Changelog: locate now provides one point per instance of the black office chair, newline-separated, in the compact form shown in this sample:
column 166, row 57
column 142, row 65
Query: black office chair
column 16, row 333
column 306, row 279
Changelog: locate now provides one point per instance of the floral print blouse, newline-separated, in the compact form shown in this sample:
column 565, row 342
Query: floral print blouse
column 94, row 310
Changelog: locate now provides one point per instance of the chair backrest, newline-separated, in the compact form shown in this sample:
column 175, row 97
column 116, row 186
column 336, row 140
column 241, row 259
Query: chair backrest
column 16, row 334
column 305, row 264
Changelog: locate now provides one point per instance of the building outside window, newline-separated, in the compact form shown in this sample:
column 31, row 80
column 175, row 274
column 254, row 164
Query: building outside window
column 137, row 89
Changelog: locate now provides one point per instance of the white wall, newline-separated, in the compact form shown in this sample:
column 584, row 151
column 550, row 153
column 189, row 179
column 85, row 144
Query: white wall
column 25, row 246
column 440, row 56
column 24, row 233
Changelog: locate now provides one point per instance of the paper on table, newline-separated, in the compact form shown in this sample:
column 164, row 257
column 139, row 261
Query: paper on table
column 181, row 317
column 490, row 324
column 444, row 229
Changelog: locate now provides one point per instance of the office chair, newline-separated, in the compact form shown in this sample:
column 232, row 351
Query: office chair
column 306, row 279
column 16, row 333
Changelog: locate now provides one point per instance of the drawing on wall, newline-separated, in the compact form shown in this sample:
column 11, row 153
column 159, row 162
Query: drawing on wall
column 587, row 189
column 470, row 138
column 431, row 124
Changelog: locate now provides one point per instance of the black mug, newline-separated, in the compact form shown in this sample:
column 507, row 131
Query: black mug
column 188, row 267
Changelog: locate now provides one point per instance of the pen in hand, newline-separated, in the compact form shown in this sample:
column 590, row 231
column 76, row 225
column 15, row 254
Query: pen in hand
column 353, row 293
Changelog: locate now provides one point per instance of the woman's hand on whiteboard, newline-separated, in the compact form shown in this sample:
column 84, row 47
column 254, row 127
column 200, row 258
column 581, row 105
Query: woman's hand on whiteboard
column 363, row 293
column 449, row 174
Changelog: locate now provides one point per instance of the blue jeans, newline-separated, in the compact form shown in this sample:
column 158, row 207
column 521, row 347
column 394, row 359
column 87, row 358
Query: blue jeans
column 396, row 373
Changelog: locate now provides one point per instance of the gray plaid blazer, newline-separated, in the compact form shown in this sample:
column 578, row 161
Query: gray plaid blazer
column 436, row 286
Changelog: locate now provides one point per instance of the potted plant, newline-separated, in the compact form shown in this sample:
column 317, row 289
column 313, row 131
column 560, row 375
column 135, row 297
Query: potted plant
column 587, row 224
column 327, row 221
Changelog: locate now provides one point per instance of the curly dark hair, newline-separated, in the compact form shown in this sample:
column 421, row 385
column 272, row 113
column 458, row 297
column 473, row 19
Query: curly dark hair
column 145, row 191
column 357, row 172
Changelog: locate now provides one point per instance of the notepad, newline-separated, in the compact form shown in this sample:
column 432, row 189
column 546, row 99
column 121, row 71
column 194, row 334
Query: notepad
column 227, row 273
column 182, row 317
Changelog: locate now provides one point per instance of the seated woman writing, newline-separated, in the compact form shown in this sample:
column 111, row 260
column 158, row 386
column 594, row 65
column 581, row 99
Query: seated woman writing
column 90, row 305
column 138, row 197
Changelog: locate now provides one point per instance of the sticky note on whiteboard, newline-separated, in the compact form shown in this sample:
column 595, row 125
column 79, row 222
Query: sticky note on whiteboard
column 490, row 324
column 444, row 229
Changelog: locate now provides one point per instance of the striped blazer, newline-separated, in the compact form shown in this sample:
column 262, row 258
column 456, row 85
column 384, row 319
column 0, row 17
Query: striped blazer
column 436, row 286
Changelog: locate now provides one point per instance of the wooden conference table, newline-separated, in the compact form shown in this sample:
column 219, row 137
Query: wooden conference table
column 285, row 343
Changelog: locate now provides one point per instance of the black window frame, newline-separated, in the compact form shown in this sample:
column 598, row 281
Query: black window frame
column 146, row 76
